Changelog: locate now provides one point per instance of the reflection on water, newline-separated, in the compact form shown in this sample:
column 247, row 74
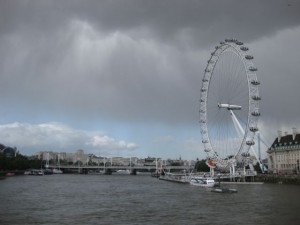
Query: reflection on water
column 124, row 199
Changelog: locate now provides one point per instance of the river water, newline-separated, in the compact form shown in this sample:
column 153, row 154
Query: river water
column 124, row 199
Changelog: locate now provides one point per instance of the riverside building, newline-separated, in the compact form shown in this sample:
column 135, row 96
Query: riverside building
column 284, row 153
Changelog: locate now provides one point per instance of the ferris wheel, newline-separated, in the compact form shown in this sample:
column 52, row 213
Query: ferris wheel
column 229, row 104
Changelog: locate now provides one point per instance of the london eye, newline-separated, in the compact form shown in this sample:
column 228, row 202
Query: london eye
column 229, row 104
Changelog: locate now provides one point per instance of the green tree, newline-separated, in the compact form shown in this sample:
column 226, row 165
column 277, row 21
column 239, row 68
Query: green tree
column 201, row 166
column 257, row 168
column 19, row 162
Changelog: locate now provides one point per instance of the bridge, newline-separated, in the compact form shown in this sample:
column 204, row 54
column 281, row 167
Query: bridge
column 108, row 170
column 133, row 170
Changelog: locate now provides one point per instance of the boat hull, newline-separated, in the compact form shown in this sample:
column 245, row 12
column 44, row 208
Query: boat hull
column 224, row 190
column 202, row 182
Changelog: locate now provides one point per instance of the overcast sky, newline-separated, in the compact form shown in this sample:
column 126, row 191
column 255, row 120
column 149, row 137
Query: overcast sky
column 123, row 77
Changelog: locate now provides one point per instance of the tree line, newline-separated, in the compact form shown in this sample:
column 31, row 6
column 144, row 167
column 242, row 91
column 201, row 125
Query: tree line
column 19, row 162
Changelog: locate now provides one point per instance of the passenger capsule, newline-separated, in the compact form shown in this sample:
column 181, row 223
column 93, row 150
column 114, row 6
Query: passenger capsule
column 207, row 150
column 243, row 48
column 249, row 57
column 255, row 82
column 245, row 154
column 230, row 40
column 256, row 97
column 253, row 129
column 252, row 68
column 255, row 113
column 207, row 70
column 250, row 142
column 204, row 141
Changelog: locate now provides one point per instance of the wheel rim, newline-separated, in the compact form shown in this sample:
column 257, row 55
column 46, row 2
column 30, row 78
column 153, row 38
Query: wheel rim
column 229, row 78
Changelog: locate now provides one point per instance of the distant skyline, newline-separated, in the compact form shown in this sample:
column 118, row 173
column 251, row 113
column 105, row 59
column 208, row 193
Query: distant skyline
column 123, row 77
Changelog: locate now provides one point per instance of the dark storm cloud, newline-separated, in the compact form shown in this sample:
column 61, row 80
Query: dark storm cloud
column 132, row 60
column 279, row 66
column 201, row 22
column 166, row 20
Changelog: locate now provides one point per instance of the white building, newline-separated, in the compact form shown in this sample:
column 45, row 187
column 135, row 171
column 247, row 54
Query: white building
column 50, row 155
column 284, row 154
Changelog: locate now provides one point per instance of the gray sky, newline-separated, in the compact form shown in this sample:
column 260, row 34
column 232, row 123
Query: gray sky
column 122, row 77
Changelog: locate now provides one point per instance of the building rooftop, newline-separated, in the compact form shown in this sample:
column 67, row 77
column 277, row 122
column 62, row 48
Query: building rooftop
column 287, row 139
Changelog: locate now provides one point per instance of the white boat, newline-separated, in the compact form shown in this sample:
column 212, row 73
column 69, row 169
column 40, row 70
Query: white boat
column 202, row 181
column 40, row 172
column 174, row 177
column 28, row 172
column 34, row 172
column 224, row 190
column 57, row 171
column 123, row 171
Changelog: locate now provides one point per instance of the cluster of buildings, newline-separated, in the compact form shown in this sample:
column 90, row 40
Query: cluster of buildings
column 80, row 158
column 283, row 156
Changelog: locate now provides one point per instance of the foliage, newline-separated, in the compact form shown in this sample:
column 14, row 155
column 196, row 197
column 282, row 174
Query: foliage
column 201, row 166
column 19, row 162
column 257, row 168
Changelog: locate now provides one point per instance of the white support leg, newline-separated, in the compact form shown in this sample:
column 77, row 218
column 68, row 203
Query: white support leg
column 212, row 172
